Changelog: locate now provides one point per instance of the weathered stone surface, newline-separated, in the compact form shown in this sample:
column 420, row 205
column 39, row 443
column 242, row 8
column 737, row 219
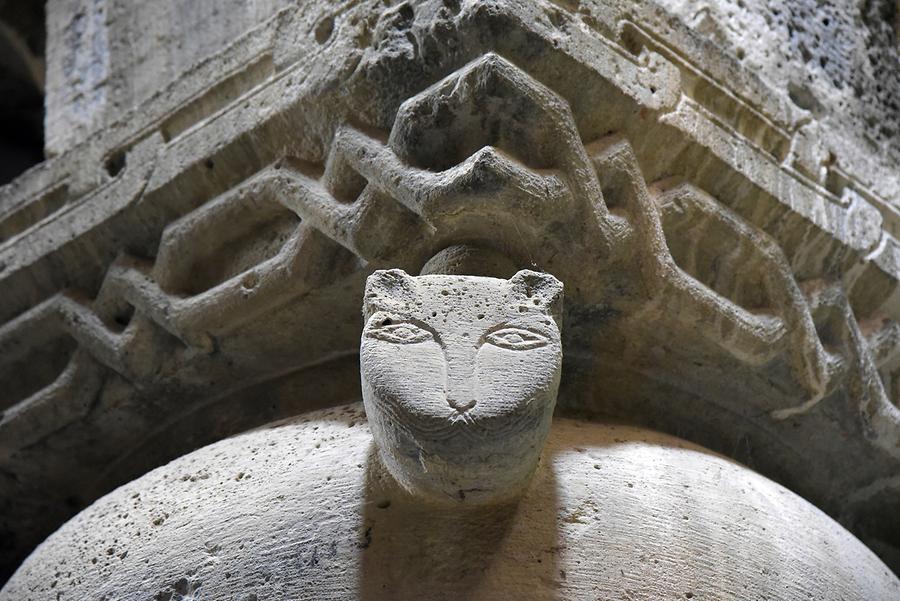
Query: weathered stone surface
column 459, row 379
column 303, row 510
column 108, row 57
column 838, row 63
column 727, row 279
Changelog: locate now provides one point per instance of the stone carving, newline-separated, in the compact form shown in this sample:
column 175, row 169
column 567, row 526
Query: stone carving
column 459, row 379
column 163, row 276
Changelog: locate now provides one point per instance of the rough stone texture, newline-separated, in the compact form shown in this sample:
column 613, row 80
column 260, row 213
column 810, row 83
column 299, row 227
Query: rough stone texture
column 727, row 279
column 459, row 379
column 78, row 71
column 302, row 510
column 836, row 59
column 108, row 57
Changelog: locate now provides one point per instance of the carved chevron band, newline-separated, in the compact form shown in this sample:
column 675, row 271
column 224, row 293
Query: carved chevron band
column 717, row 285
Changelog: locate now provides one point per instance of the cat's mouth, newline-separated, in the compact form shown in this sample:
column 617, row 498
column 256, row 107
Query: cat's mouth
column 462, row 417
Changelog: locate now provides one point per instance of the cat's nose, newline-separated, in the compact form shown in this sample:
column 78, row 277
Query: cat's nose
column 461, row 385
column 461, row 406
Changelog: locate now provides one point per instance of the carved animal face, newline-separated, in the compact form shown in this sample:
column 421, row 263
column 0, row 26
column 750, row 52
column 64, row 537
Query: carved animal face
column 459, row 376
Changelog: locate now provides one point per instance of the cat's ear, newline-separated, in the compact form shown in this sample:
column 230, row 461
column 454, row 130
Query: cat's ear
column 388, row 290
column 540, row 289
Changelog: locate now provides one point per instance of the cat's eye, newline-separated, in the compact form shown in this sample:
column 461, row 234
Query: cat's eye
column 516, row 339
column 400, row 333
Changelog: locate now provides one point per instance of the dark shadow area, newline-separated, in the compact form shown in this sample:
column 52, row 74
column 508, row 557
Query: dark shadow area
column 22, row 71
column 413, row 550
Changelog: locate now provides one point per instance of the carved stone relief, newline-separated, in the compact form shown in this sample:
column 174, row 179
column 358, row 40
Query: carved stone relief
column 459, row 379
column 166, row 274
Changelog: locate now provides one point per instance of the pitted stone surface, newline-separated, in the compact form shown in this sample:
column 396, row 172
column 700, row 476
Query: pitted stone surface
column 837, row 61
column 459, row 379
column 730, row 275
column 301, row 510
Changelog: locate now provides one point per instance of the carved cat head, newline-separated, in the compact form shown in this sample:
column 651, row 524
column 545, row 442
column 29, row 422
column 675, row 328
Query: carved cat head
column 459, row 379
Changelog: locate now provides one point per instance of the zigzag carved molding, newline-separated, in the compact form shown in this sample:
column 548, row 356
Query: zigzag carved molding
column 486, row 154
column 523, row 184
